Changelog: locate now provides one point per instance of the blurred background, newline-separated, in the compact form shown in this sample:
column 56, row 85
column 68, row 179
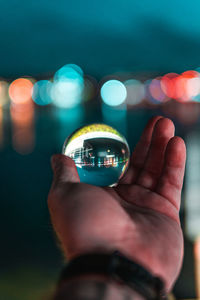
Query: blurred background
column 66, row 64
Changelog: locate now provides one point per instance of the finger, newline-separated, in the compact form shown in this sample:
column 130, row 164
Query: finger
column 163, row 132
column 171, row 180
column 64, row 170
column 140, row 152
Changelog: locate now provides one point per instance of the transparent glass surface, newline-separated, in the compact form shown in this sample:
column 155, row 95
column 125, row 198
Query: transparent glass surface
column 100, row 152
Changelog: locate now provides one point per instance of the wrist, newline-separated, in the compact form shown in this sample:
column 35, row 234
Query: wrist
column 117, row 268
column 95, row 286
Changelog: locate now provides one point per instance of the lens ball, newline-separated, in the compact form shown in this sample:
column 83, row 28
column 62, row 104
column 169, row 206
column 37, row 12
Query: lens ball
column 101, row 154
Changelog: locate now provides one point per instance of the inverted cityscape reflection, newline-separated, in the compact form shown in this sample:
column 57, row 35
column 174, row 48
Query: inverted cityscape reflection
column 100, row 152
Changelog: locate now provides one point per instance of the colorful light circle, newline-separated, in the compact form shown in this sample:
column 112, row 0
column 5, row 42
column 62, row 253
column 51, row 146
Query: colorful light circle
column 113, row 92
column 3, row 93
column 68, row 86
column 135, row 91
column 41, row 93
column 20, row 91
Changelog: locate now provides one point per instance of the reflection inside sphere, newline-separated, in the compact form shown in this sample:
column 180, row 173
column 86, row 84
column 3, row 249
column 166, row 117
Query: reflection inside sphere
column 100, row 152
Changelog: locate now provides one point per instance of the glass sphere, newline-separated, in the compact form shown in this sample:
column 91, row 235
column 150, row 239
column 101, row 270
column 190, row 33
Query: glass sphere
column 100, row 152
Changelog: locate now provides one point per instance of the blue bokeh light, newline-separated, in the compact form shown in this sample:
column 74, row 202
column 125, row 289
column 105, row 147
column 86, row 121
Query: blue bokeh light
column 68, row 86
column 113, row 92
column 41, row 93
column 69, row 71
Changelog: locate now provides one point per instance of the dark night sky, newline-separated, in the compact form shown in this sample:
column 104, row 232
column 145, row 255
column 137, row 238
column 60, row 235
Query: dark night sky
column 37, row 37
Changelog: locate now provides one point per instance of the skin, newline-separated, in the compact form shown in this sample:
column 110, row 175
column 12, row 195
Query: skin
column 139, row 217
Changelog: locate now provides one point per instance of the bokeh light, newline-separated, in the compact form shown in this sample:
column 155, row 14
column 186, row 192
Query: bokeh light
column 150, row 93
column 22, row 114
column 69, row 71
column 192, row 85
column 22, row 118
column 3, row 93
column 113, row 92
column 135, row 91
column 68, row 86
column 156, row 92
column 41, row 93
column 168, row 85
column 193, row 89
column 20, row 90
column 180, row 86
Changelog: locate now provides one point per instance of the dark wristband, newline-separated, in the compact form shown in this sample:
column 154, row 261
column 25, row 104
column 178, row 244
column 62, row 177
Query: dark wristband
column 119, row 268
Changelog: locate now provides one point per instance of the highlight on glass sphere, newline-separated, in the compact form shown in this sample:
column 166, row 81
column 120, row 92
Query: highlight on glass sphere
column 101, row 154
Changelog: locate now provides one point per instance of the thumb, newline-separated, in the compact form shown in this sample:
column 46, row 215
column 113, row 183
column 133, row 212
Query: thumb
column 64, row 170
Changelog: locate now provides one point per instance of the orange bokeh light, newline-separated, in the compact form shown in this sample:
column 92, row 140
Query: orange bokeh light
column 22, row 114
column 22, row 117
column 20, row 91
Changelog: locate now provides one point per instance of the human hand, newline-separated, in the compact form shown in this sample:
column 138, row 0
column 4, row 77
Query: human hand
column 139, row 217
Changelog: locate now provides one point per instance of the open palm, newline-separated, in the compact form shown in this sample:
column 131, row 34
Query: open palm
column 139, row 217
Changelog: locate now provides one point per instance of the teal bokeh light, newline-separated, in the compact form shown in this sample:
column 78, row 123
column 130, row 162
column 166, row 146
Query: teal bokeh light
column 69, row 71
column 113, row 92
column 41, row 93
column 68, row 86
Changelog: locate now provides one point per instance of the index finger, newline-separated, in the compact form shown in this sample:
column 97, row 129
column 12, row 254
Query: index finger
column 140, row 152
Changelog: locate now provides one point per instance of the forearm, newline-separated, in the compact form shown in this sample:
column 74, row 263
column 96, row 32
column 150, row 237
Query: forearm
column 94, row 287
